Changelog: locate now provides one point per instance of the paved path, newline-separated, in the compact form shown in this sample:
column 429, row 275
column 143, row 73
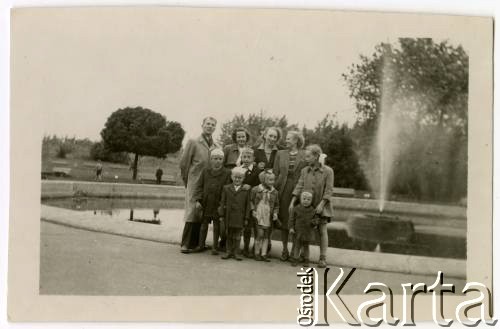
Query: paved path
column 170, row 231
column 81, row 262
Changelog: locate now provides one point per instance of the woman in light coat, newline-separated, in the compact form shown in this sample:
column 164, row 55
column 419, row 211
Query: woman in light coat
column 195, row 158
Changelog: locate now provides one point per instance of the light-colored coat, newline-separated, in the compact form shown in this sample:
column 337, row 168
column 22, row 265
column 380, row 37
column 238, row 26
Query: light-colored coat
column 195, row 158
column 319, row 180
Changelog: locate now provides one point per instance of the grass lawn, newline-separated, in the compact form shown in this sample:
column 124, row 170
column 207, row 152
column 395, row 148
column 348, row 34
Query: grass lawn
column 81, row 167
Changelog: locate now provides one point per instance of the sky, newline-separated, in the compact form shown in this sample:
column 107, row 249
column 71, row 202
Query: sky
column 189, row 63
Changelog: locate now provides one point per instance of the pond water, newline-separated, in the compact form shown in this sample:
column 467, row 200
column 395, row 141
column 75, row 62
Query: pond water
column 434, row 237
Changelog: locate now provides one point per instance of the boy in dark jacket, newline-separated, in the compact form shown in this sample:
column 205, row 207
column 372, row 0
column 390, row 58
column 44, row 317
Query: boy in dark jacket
column 208, row 193
column 234, row 211
column 251, row 170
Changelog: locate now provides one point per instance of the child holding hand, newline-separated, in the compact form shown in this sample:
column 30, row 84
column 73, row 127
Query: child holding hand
column 301, row 222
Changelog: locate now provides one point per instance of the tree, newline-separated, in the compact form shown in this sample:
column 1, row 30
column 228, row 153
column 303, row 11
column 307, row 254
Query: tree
column 99, row 151
column 142, row 132
column 439, row 72
column 427, row 84
column 337, row 143
column 255, row 124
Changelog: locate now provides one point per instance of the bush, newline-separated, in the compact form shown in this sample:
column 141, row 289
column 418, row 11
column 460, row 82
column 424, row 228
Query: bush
column 63, row 150
column 99, row 152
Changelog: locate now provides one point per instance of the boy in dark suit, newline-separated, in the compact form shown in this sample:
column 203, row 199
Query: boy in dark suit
column 251, row 170
column 251, row 180
column 208, row 193
column 234, row 210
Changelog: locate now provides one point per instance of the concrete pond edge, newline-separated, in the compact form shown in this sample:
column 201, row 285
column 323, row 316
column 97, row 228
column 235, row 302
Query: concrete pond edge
column 408, row 264
column 65, row 189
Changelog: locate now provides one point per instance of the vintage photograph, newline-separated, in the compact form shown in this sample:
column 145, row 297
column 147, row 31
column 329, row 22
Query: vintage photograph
column 219, row 152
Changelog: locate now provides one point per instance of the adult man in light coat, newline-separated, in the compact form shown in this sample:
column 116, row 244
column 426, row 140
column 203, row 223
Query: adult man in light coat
column 195, row 158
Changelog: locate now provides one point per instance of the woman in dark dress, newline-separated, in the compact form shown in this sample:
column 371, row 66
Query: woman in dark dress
column 265, row 153
column 287, row 166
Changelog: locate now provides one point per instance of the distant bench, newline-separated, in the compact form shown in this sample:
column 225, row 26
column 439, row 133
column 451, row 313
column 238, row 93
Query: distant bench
column 61, row 171
column 344, row 191
column 60, row 162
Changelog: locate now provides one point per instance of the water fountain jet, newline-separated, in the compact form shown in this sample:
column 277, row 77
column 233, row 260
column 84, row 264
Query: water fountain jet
column 382, row 228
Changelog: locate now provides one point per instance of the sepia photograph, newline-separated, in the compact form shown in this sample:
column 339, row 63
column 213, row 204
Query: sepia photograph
column 217, row 152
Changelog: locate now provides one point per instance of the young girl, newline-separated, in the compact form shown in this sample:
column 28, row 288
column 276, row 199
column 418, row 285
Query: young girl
column 264, row 203
column 318, row 178
column 301, row 227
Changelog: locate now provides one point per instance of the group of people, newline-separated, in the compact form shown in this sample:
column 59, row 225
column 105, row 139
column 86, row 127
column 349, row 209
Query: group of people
column 243, row 191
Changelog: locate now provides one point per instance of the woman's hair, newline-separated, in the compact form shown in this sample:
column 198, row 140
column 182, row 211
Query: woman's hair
column 240, row 129
column 315, row 149
column 299, row 137
column 276, row 129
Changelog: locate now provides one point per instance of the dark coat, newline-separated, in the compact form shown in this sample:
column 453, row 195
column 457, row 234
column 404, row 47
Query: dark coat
column 260, row 156
column 209, row 189
column 281, row 168
column 234, row 206
column 301, row 219
column 231, row 155
column 252, row 176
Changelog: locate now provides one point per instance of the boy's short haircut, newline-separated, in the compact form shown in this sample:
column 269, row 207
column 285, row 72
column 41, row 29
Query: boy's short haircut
column 209, row 118
column 247, row 150
column 306, row 192
column 264, row 173
column 238, row 170
column 218, row 152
